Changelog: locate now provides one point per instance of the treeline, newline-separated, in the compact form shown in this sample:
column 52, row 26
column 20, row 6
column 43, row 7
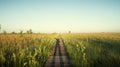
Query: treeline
column 20, row 32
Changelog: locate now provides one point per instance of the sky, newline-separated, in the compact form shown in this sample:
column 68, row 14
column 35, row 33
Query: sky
column 48, row 16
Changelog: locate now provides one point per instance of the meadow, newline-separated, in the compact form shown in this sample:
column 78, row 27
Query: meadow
column 26, row 50
column 93, row 49
column 83, row 49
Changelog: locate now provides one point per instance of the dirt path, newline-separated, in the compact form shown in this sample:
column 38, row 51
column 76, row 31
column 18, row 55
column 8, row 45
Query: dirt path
column 59, row 57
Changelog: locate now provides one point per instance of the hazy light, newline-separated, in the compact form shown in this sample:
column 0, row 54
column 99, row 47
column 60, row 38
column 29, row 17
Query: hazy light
column 60, row 15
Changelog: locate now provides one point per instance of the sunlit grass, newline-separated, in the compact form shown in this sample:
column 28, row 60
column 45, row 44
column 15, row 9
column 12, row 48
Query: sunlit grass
column 93, row 50
column 28, row 50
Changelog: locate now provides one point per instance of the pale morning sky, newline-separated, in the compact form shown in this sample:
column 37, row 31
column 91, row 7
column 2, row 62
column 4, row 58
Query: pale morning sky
column 60, row 15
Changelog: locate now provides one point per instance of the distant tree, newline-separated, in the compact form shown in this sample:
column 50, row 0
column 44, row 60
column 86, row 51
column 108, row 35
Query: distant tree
column 13, row 32
column 29, row 31
column 69, row 32
column 4, row 32
column 0, row 27
column 21, row 32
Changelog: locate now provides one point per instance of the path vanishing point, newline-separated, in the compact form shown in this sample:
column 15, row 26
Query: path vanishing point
column 58, row 58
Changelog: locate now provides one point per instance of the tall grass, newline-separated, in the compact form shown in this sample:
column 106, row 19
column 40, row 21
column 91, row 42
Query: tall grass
column 93, row 50
column 28, row 50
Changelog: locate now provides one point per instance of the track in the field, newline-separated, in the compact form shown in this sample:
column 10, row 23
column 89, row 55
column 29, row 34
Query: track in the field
column 59, row 57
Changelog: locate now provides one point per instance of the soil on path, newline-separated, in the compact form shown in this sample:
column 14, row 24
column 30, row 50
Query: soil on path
column 59, row 57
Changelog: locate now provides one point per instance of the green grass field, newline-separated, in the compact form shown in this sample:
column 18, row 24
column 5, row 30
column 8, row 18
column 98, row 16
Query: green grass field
column 93, row 50
column 84, row 50
column 29, row 50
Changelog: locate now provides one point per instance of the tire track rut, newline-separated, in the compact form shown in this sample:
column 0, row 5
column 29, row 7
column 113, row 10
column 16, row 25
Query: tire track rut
column 58, row 57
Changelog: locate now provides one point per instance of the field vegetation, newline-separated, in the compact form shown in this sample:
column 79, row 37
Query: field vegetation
column 25, row 50
column 84, row 50
column 93, row 49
